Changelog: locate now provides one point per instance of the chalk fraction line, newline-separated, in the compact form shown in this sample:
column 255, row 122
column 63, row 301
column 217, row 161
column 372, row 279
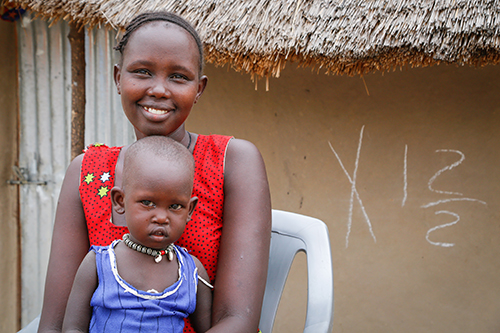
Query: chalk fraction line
column 435, row 203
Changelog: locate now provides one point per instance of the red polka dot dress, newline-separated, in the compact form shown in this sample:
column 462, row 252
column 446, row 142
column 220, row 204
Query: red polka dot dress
column 202, row 234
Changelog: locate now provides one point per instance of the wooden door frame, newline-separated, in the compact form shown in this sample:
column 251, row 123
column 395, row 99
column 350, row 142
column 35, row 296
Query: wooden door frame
column 10, row 256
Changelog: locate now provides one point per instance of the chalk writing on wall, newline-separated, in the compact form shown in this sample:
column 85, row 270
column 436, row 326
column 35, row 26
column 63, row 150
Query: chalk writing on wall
column 405, row 177
column 457, row 218
column 435, row 203
column 446, row 168
column 354, row 192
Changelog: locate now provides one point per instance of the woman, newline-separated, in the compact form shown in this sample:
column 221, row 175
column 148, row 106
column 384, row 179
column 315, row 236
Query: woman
column 160, row 78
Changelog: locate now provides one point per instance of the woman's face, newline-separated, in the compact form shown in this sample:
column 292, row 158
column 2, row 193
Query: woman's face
column 159, row 80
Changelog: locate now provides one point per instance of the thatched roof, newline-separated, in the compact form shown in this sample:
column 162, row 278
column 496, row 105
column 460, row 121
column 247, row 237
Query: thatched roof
column 341, row 37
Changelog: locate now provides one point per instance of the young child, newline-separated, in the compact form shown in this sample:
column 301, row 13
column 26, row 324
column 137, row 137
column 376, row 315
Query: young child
column 145, row 282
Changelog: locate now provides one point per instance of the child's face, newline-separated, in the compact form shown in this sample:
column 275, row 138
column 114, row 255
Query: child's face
column 159, row 79
column 156, row 201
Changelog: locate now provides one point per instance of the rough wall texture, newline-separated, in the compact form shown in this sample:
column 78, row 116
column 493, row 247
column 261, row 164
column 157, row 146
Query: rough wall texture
column 403, row 168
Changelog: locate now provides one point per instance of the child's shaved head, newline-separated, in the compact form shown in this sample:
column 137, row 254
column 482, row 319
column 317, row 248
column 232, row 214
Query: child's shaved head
column 159, row 149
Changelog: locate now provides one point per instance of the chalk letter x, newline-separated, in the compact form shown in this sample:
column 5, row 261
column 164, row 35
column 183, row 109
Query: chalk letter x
column 354, row 191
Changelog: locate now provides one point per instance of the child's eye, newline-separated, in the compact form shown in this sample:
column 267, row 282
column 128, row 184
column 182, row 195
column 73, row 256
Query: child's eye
column 142, row 71
column 175, row 206
column 148, row 203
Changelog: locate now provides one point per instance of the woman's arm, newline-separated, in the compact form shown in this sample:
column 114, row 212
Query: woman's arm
column 70, row 244
column 78, row 310
column 201, row 318
column 244, row 248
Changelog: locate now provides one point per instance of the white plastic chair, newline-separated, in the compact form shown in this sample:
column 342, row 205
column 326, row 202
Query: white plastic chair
column 292, row 233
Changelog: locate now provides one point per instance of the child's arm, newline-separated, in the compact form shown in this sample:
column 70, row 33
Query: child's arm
column 78, row 309
column 201, row 317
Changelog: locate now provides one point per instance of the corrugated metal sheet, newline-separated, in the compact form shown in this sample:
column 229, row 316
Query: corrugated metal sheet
column 105, row 120
column 45, row 115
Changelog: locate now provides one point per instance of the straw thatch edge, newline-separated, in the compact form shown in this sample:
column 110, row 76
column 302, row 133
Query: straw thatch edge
column 381, row 57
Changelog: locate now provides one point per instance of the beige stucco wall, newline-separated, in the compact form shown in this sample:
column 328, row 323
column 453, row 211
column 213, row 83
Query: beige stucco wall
column 9, row 242
column 416, row 124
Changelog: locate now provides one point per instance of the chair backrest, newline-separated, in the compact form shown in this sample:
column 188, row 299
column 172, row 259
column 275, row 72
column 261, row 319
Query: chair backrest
column 292, row 233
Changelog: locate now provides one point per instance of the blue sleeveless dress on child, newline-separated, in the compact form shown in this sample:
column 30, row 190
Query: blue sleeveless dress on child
column 119, row 307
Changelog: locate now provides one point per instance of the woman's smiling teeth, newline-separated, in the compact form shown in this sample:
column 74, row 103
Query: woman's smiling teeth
column 155, row 111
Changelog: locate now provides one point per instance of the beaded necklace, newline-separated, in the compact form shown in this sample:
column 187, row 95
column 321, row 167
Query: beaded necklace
column 169, row 251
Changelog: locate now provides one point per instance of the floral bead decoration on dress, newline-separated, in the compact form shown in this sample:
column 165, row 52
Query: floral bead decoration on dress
column 97, row 178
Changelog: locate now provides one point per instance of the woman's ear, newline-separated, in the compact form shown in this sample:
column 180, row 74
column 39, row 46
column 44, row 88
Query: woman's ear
column 201, row 87
column 116, row 75
column 192, row 205
column 117, row 200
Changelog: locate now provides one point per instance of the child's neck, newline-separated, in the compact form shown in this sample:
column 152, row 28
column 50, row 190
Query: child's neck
column 142, row 272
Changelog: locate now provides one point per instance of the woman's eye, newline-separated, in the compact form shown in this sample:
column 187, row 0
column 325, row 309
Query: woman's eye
column 179, row 77
column 148, row 203
column 175, row 206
